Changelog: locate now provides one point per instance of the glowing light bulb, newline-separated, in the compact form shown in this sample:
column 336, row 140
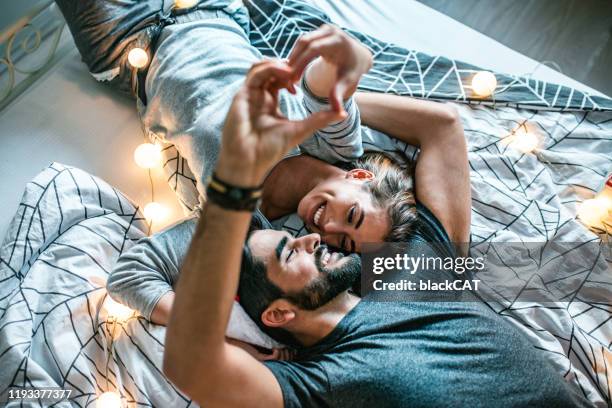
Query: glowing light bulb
column 185, row 3
column 155, row 211
column 484, row 83
column 116, row 310
column 109, row 399
column 524, row 141
column 593, row 212
column 138, row 58
column 148, row 155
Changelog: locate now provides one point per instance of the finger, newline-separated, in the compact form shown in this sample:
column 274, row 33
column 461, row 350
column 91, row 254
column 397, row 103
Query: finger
column 322, row 47
column 304, row 40
column 240, row 105
column 336, row 97
column 291, row 88
column 263, row 105
column 282, row 83
column 307, row 38
column 260, row 74
column 301, row 129
column 256, row 99
column 272, row 356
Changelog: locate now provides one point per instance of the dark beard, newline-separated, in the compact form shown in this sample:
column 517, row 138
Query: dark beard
column 329, row 284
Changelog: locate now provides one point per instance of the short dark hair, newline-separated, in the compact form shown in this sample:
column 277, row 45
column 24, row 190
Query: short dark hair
column 392, row 189
column 255, row 290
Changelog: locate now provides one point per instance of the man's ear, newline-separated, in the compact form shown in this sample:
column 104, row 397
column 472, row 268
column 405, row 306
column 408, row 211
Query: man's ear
column 278, row 314
column 360, row 174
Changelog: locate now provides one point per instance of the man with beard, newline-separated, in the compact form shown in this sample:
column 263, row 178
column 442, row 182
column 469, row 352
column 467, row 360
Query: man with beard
column 352, row 352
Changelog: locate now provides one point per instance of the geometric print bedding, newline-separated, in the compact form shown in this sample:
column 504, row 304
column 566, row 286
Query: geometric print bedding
column 55, row 331
column 71, row 227
column 516, row 197
column 277, row 24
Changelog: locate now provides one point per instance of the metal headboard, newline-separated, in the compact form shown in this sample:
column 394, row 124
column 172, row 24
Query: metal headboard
column 28, row 48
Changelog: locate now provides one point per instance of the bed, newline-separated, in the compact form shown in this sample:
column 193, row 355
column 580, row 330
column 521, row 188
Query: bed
column 50, row 137
column 82, row 123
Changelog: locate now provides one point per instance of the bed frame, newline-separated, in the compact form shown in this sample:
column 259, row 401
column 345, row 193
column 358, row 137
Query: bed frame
column 29, row 47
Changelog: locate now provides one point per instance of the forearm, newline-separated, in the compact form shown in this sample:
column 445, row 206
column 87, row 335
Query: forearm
column 205, row 293
column 413, row 121
column 161, row 312
column 442, row 171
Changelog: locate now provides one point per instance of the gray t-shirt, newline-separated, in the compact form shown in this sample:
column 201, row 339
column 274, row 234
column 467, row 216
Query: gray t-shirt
column 425, row 354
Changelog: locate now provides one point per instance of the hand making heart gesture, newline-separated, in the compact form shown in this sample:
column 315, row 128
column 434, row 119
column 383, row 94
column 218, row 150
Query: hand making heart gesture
column 256, row 135
column 344, row 57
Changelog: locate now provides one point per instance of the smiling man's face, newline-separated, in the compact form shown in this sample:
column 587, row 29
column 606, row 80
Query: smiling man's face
column 307, row 273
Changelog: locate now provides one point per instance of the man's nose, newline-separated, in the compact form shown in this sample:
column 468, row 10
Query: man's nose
column 309, row 242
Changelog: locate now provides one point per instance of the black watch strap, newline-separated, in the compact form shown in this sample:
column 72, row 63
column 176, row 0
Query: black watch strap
column 233, row 197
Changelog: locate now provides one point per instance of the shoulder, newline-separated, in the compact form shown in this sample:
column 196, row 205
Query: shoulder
column 429, row 229
column 301, row 381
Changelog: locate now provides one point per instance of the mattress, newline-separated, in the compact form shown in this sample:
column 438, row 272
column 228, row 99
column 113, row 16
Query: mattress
column 68, row 117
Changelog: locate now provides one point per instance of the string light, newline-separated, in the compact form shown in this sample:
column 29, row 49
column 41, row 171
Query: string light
column 523, row 140
column 185, row 3
column 484, row 83
column 109, row 399
column 138, row 58
column 148, row 155
column 116, row 310
column 154, row 211
column 594, row 212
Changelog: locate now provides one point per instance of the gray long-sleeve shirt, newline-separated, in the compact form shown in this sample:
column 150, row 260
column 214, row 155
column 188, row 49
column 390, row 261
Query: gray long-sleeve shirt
column 200, row 62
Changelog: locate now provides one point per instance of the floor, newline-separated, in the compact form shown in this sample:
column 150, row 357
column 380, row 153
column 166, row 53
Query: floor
column 575, row 34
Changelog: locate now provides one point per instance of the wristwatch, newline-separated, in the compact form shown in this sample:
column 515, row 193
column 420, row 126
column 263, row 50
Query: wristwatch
column 231, row 197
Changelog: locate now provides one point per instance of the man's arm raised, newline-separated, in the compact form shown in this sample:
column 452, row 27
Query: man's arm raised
column 198, row 359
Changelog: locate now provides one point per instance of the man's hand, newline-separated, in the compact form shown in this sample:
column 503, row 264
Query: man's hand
column 343, row 61
column 256, row 135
